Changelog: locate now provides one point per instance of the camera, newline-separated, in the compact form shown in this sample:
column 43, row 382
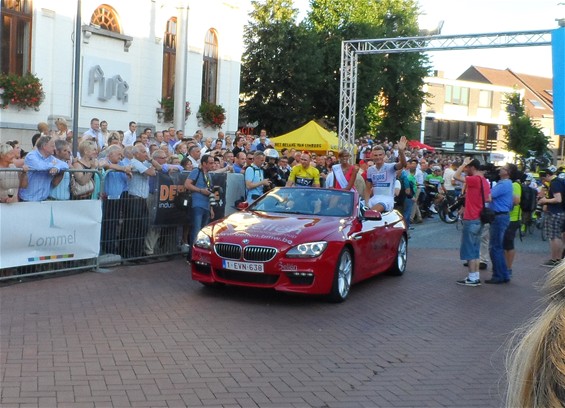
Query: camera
column 215, row 197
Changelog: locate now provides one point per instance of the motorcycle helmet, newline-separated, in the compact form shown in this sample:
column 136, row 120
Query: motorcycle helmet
column 271, row 154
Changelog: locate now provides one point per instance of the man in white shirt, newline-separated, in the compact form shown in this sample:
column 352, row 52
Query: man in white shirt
column 449, row 181
column 130, row 136
column 381, row 178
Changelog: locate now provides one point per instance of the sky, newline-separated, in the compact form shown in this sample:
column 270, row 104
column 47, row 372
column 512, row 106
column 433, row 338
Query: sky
column 488, row 16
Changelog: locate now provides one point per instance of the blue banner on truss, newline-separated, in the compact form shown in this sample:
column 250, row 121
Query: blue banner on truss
column 558, row 56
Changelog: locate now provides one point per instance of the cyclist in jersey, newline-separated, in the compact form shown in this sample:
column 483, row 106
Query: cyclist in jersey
column 304, row 174
column 381, row 177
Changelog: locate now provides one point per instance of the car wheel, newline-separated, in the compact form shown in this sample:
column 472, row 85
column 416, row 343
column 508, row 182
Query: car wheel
column 342, row 277
column 399, row 265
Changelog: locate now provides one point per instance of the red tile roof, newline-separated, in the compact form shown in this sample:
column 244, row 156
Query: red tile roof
column 536, row 88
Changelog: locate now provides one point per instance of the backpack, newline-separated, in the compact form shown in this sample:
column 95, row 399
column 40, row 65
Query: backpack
column 528, row 198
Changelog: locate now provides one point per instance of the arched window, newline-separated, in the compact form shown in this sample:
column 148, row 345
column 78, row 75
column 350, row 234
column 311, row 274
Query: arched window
column 106, row 17
column 169, row 57
column 210, row 67
column 16, row 36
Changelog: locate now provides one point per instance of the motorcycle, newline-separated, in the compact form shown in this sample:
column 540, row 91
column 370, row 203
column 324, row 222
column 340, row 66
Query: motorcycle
column 448, row 208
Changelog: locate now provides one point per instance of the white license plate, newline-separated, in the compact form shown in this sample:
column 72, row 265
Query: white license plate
column 243, row 266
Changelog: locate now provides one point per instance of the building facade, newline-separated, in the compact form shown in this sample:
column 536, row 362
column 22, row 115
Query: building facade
column 470, row 112
column 128, row 61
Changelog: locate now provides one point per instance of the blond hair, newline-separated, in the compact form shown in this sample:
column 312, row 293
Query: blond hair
column 536, row 365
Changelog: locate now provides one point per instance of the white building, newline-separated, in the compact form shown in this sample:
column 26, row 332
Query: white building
column 128, row 51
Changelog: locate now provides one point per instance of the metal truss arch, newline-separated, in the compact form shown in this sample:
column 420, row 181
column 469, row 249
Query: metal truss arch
column 351, row 49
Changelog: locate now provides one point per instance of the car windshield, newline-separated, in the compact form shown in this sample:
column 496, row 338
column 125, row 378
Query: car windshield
column 306, row 201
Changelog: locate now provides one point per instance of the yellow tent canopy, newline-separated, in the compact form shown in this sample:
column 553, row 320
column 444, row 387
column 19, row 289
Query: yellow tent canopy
column 311, row 137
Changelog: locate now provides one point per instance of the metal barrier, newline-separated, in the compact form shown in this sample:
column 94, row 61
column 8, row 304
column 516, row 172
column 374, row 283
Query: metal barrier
column 127, row 231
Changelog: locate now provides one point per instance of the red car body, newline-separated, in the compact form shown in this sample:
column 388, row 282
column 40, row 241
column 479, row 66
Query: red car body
column 266, row 245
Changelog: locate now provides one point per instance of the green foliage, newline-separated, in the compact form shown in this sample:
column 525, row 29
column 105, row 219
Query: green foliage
column 168, row 105
column 22, row 91
column 280, row 68
column 211, row 115
column 522, row 133
column 389, row 95
column 291, row 72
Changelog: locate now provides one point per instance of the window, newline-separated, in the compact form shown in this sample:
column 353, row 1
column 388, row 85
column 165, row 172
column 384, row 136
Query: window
column 210, row 67
column 485, row 99
column 169, row 57
column 16, row 36
column 106, row 17
column 536, row 104
column 456, row 95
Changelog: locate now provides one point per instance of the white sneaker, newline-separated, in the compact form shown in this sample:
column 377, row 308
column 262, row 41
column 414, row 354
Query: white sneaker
column 433, row 209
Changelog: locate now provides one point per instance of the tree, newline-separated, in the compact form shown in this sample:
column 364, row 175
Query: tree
column 279, row 68
column 523, row 135
column 389, row 95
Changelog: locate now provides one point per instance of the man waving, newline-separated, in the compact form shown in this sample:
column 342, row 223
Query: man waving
column 381, row 177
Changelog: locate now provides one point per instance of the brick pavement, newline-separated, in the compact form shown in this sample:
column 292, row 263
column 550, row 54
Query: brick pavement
column 147, row 336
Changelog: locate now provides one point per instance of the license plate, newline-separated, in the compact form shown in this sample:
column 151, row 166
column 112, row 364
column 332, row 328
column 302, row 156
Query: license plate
column 243, row 266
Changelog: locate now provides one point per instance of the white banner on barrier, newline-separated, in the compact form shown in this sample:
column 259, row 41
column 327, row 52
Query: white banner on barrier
column 49, row 231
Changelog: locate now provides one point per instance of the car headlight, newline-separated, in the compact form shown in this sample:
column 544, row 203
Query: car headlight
column 307, row 250
column 202, row 240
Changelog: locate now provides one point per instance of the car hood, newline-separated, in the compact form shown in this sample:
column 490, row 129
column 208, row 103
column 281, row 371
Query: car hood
column 276, row 229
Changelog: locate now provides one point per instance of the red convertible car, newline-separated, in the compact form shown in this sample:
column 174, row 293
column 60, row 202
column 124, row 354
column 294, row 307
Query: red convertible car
column 302, row 240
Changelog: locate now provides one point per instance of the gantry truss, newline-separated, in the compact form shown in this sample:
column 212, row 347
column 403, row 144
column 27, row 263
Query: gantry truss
column 351, row 49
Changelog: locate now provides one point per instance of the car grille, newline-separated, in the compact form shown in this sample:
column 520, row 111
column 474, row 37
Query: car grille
column 250, row 253
column 260, row 254
column 229, row 251
column 245, row 277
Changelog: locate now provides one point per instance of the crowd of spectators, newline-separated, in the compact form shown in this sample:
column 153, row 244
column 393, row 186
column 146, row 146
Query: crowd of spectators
column 120, row 167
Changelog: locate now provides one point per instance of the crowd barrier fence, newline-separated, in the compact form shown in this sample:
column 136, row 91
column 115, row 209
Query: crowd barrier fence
column 66, row 235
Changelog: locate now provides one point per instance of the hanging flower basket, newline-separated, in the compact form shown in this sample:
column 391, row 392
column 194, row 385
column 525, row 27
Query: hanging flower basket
column 21, row 91
column 211, row 115
column 168, row 106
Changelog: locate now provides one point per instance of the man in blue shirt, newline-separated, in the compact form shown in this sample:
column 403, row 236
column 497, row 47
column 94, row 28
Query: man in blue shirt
column 115, row 183
column 255, row 180
column 136, row 220
column 502, row 203
column 43, row 166
column 198, row 181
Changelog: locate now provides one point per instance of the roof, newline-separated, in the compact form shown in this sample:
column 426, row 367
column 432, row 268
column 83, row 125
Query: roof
column 538, row 90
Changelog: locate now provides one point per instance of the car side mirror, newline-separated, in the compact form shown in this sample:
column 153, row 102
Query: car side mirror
column 373, row 215
column 242, row 206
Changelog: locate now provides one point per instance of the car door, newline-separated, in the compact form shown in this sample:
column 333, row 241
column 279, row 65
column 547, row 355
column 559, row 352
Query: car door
column 369, row 240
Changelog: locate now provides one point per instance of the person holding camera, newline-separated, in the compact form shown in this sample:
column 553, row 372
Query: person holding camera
column 255, row 180
column 199, row 183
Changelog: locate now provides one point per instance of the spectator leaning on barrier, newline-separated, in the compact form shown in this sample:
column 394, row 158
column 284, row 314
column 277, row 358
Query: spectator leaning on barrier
column 10, row 181
column 115, row 183
column 136, row 215
column 476, row 196
column 43, row 166
column 60, row 186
